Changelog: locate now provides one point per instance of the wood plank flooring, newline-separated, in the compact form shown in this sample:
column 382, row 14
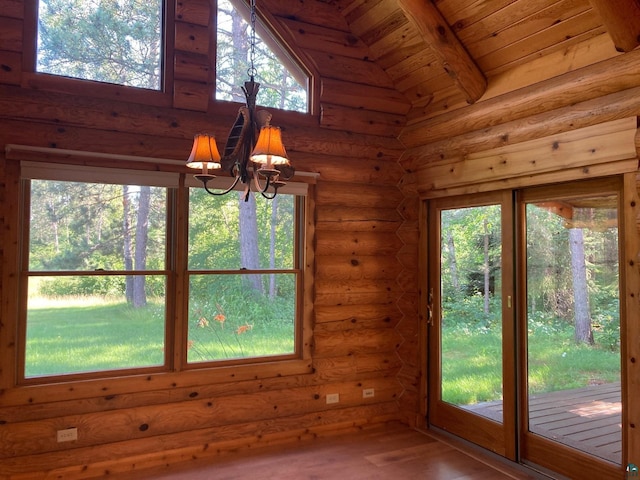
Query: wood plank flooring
column 387, row 451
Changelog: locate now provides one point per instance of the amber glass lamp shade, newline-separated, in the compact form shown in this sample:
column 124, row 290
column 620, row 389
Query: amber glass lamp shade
column 204, row 153
column 269, row 149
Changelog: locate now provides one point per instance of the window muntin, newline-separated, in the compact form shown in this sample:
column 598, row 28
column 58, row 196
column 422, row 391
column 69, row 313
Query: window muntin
column 117, row 42
column 283, row 84
column 96, row 277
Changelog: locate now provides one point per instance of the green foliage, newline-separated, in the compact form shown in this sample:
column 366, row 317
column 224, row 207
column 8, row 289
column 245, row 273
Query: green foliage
column 80, row 226
column 214, row 231
column 467, row 313
column 105, row 40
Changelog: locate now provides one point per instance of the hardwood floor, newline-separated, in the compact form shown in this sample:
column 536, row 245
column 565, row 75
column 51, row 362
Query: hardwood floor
column 391, row 451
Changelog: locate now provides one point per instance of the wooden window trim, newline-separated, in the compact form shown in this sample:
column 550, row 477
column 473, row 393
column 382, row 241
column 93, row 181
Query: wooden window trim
column 76, row 86
column 117, row 382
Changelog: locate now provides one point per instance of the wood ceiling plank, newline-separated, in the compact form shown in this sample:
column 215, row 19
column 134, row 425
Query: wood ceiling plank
column 474, row 11
column 559, row 47
column 546, row 40
column 431, row 74
column 455, row 59
column 622, row 20
column 397, row 46
column 482, row 41
column 412, row 63
column 390, row 24
column 368, row 14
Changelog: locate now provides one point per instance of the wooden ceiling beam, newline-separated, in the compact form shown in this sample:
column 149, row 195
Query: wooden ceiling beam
column 446, row 46
column 621, row 18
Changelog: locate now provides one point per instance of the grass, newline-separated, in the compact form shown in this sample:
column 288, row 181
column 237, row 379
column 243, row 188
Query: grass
column 471, row 364
column 84, row 334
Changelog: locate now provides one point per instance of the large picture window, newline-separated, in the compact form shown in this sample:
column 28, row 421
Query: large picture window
column 105, row 288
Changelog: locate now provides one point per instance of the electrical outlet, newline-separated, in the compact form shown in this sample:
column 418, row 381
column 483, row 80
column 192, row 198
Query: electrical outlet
column 368, row 393
column 333, row 398
column 67, row 435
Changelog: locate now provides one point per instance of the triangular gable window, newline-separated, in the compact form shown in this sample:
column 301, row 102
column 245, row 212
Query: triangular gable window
column 283, row 83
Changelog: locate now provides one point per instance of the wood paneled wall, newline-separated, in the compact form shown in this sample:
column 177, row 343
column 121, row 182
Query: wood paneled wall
column 366, row 318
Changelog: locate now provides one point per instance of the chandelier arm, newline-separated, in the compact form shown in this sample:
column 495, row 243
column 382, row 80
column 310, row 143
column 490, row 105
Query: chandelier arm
column 256, row 182
column 269, row 197
column 233, row 185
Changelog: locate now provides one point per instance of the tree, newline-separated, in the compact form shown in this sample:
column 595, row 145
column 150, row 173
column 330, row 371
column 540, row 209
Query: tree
column 142, row 239
column 127, row 243
column 278, row 88
column 486, row 267
column 115, row 42
column 272, row 245
column 249, row 254
column 582, row 316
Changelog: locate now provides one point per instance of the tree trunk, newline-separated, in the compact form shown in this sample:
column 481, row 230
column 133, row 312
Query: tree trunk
column 453, row 263
column 249, row 254
column 142, row 238
column 272, row 246
column 126, row 234
column 487, row 285
column 583, row 331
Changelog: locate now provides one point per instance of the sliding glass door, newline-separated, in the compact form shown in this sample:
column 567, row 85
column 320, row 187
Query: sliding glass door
column 471, row 320
column 524, row 325
column 571, row 383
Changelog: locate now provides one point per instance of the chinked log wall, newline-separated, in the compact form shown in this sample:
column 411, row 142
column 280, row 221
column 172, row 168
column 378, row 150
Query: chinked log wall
column 365, row 287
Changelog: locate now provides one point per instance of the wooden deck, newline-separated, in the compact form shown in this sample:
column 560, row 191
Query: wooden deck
column 588, row 419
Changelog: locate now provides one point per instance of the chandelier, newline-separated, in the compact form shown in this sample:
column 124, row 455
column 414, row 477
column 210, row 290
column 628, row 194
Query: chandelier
column 260, row 165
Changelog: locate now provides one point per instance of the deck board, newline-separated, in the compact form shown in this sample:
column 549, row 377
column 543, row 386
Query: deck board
column 589, row 418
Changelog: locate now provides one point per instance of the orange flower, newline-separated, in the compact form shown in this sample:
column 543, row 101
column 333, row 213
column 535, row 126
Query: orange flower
column 203, row 322
column 220, row 318
column 243, row 328
column 190, row 344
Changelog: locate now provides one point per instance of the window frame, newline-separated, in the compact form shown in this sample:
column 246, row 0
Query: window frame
column 164, row 96
column 72, row 85
column 175, row 369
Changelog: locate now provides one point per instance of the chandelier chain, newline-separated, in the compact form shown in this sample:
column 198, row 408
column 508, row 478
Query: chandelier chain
column 252, row 40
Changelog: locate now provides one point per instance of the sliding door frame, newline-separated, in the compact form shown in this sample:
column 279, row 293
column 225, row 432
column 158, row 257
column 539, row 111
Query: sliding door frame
column 500, row 438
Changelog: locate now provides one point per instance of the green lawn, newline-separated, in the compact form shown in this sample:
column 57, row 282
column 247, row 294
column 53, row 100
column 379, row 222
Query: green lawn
column 472, row 365
column 83, row 334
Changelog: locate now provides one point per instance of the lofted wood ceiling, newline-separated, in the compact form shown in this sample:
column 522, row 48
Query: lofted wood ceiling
column 446, row 54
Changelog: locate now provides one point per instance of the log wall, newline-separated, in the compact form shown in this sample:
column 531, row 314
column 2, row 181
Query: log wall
column 365, row 315
column 579, row 125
